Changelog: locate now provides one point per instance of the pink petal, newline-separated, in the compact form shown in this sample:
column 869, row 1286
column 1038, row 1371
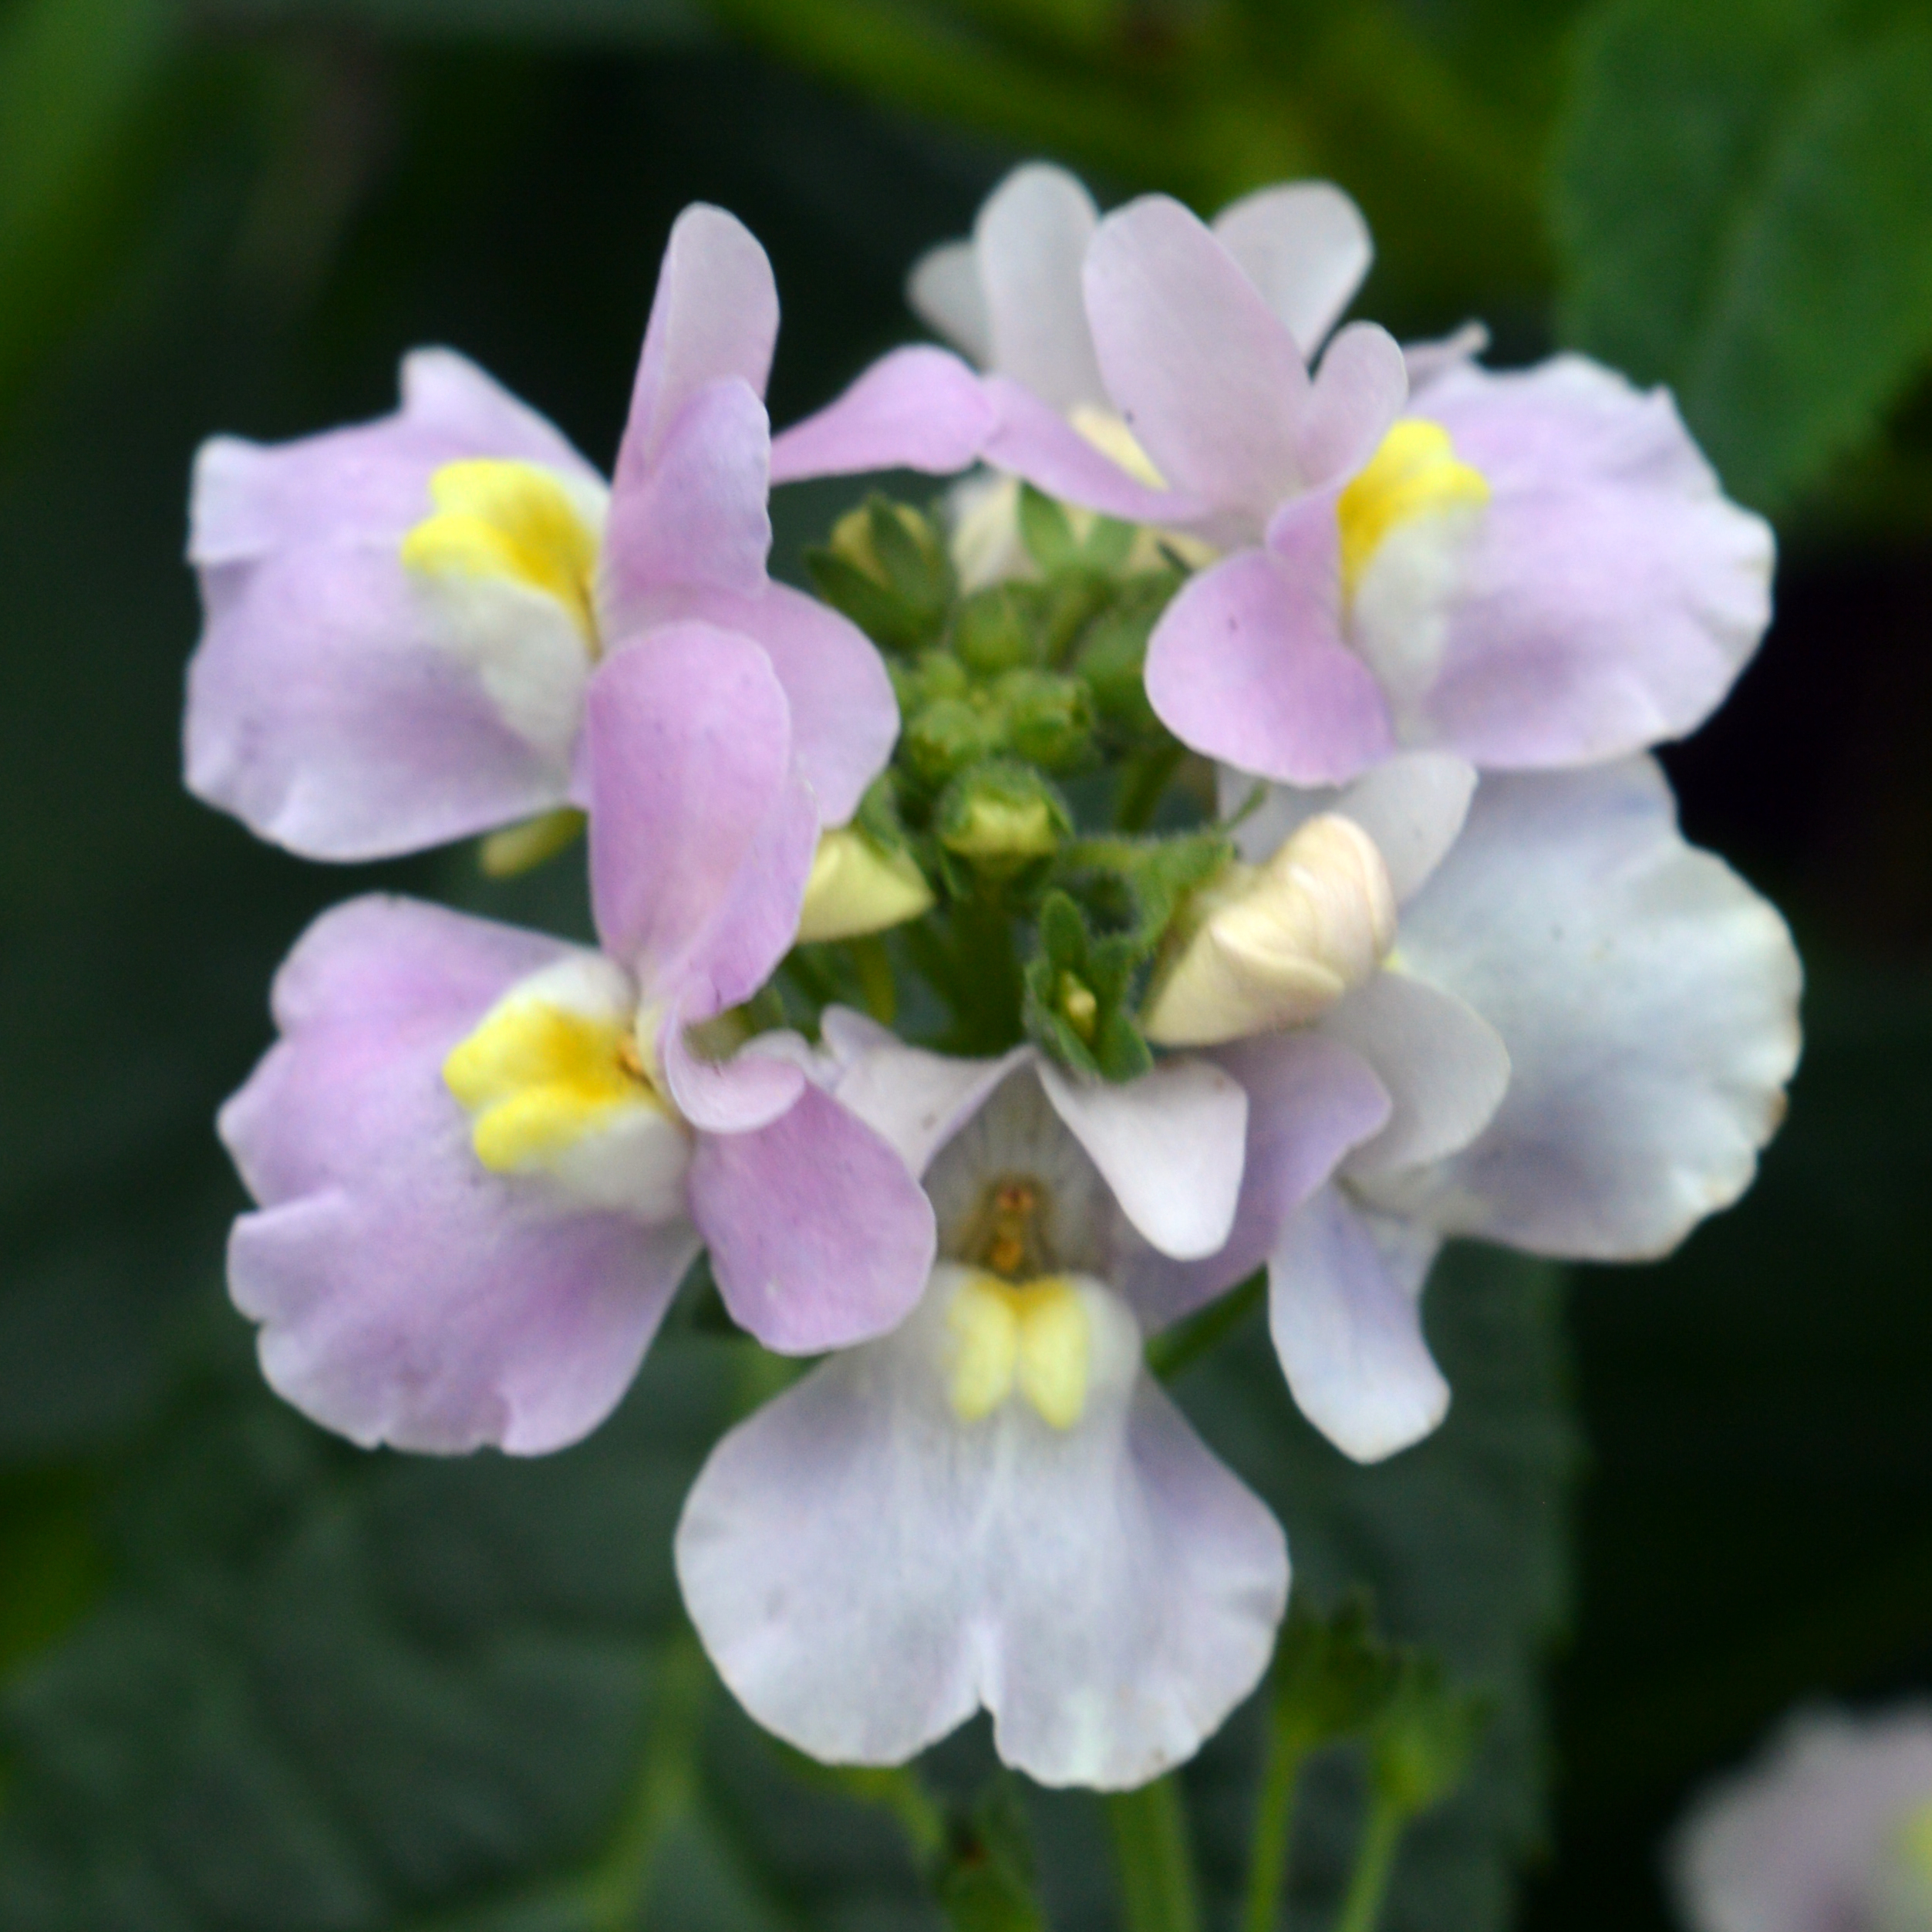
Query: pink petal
column 697, row 514
column 914, row 409
column 1206, row 376
column 694, row 849
column 1246, row 665
column 1613, row 594
column 819, row 1237
column 407, row 1295
column 323, row 714
column 1035, row 442
column 715, row 315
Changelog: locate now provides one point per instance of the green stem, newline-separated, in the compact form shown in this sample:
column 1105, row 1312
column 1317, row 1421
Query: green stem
column 1152, row 1859
column 1185, row 1343
column 1374, row 1862
column 1274, row 1827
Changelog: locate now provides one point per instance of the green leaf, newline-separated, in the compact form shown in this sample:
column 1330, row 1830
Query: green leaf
column 1740, row 191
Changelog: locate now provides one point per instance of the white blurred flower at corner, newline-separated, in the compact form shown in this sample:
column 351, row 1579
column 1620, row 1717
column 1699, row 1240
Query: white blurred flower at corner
column 1830, row 1830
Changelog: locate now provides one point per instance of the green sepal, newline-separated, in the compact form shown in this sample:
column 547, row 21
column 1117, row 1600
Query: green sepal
column 998, row 628
column 886, row 569
column 1137, row 885
column 1071, row 967
column 1332, row 1677
column 984, row 1880
column 885, row 618
column 1421, row 1742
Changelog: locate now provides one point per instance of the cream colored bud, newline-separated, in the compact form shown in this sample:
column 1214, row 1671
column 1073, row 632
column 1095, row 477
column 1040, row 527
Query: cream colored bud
column 1274, row 945
column 856, row 886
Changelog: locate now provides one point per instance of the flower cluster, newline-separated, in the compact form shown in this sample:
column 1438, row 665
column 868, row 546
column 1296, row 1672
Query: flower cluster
column 1241, row 770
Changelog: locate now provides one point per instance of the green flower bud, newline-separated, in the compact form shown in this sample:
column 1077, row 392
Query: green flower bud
column 1049, row 718
column 946, row 735
column 1000, row 818
column 994, row 631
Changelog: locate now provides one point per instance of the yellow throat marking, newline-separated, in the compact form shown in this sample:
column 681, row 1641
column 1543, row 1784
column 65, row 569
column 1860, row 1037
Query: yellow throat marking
column 1912, row 1842
column 537, row 1077
column 498, row 518
column 1033, row 1336
column 1414, row 472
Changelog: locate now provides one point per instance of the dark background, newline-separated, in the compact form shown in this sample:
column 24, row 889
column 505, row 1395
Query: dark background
column 237, row 218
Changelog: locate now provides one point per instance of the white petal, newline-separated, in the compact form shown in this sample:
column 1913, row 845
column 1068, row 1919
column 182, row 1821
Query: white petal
column 1306, row 247
column 1170, row 1145
column 1648, row 998
column 1344, row 1307
column 916, row 1100
column 866, row 1569
column 1445, row 1068
column 945, row 292
column 1031, row 240
column 1412, row 805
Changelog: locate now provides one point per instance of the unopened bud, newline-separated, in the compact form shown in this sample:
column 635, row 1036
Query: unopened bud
column 1277, row 945
column 866, row 538
column 858, row 886
column 1000, row 818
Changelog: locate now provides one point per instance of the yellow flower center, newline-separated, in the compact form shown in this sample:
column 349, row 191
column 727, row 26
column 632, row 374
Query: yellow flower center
column 1033, row 1337
column 537, row 1077
column 1413, row 474
column 500, row 519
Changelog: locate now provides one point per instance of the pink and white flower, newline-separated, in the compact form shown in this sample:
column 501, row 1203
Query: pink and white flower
column 996, row 1506
column 484, row 1159
column 1534, row 569
column 402, row 617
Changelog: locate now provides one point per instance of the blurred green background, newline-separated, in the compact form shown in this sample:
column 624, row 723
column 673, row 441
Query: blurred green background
column 251, row 1679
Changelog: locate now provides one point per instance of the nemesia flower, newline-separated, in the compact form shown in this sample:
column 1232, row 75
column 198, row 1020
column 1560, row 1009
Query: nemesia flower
column 1534, row 569
column 1584, row 1027
column 484, row 1158
column 402, row 617
column 1830, row 1831
column 996, row 1506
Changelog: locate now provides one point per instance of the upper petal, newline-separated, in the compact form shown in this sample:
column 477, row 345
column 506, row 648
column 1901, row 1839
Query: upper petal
column 1207, row 379
column 698, row 514
column 715, row 315
column 1031, row 240
column 1612, row 594
column 1305, row 246
column 1412, row 804
column 914, row 409
column 1647, row 997
column 700, row 834
column 1246, row 665
column 1169, row 1144
column 819, row 1236
column 249, row 500
column 918, row 1100
column 844, row 719
column 1444, row 1067
column 1039, row 443
column 944, row 292
column 1310, row 1099
column 407, row 1294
